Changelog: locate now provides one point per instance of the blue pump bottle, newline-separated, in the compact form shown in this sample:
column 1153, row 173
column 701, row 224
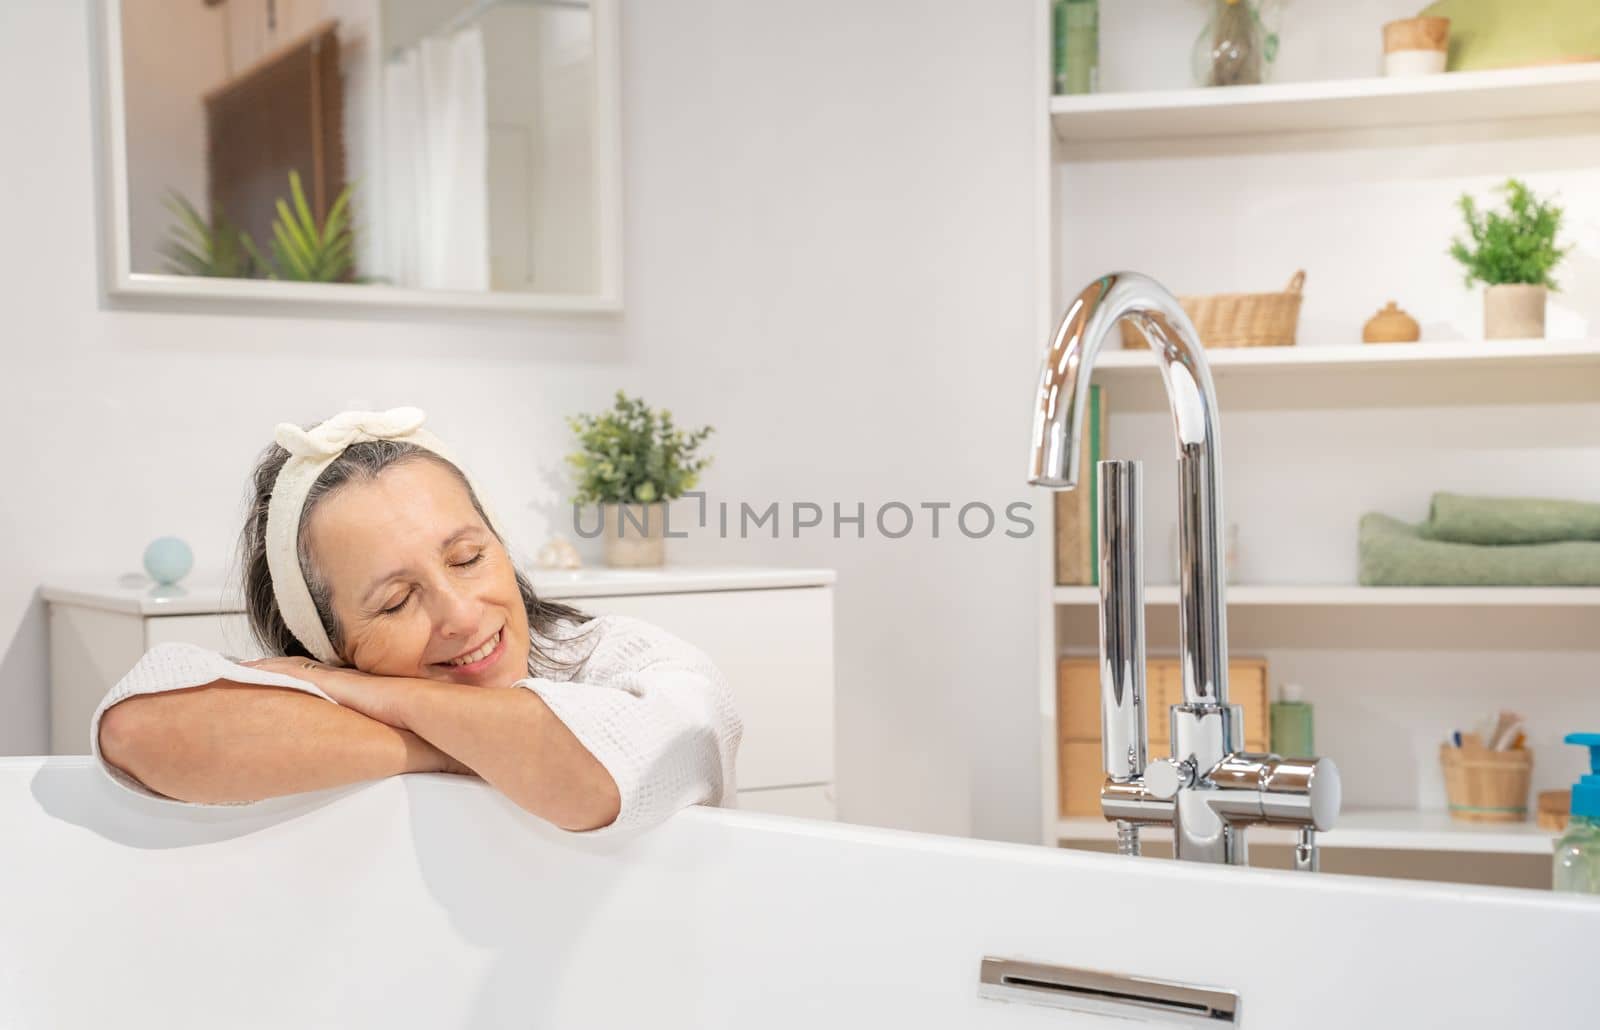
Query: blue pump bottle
column 1577, row 863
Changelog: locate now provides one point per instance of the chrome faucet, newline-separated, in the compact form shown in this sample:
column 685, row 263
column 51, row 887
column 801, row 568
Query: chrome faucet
column 1210, row 790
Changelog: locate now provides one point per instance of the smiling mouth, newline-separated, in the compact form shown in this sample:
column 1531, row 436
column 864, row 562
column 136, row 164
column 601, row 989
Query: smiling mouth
column 478, row 654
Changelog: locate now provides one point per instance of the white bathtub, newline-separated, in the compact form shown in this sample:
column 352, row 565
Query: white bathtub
column 430, row 901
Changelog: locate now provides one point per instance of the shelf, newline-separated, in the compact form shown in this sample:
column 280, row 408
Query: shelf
column 1447, row 373
column 1379, row 829
column 1518, row 93
column 1336, row 596
column 1497, row 355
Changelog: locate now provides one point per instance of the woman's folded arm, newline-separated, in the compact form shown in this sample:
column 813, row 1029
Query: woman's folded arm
column 635, row 726
column 187, row 724
column 231, row 743
column 513, row 740
column 631, row 725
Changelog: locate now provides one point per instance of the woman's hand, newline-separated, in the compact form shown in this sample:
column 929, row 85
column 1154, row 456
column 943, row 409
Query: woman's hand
column 377, row 697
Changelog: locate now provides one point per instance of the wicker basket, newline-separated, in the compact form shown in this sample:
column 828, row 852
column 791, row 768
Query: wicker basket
column 1487, row 786
column 1239, row 319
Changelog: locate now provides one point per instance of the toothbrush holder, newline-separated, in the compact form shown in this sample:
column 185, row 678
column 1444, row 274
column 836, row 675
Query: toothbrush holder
column 1487, row 786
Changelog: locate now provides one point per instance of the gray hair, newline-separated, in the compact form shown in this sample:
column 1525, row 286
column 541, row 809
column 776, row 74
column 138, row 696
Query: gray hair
column 360, row 463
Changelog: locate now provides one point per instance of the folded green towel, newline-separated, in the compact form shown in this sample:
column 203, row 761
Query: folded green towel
column 1394, row 554
column 1509, row 520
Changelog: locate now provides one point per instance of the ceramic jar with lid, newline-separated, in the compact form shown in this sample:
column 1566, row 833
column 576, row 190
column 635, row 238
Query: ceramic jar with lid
column 1391, row 325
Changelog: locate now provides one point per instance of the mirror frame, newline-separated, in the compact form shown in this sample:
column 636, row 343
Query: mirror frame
column 123, row 284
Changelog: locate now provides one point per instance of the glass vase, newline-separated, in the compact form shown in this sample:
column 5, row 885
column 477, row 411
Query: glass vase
column 1237, row 47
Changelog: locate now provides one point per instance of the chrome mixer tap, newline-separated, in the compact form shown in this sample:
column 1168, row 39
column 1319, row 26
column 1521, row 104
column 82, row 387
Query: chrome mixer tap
column 1211, row 790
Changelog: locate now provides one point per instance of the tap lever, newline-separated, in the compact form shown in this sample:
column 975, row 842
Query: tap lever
column 1164, row 777
column 1123, row 731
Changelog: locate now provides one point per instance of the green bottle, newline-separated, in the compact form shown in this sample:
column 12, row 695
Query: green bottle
column 1578, row 850
column 1076, row 67
column 1291, row 724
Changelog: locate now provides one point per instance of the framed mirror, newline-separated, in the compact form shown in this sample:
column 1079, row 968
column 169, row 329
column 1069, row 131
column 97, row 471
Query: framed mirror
column 395, row 153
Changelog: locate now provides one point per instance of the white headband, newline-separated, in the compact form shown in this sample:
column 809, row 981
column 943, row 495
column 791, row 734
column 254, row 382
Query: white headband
column 310, row 452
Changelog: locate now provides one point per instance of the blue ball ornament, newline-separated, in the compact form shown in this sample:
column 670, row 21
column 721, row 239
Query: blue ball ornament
column 168, row 560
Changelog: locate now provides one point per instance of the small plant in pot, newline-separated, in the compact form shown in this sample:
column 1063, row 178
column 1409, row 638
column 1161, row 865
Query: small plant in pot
column 631, row 461
column 1512, row 252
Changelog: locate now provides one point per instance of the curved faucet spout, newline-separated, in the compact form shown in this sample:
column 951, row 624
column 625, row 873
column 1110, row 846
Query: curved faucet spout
column 1058, row 426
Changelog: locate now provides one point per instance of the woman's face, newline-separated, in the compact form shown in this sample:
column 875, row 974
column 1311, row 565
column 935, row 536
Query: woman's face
column 419, row 584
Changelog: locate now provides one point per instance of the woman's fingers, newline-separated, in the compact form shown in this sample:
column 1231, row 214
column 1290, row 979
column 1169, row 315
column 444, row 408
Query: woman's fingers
column 287, row 666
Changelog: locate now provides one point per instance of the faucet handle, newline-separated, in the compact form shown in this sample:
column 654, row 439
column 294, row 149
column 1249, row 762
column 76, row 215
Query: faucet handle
column 1302, row 792
column 1265, row 788
column 1164, row 777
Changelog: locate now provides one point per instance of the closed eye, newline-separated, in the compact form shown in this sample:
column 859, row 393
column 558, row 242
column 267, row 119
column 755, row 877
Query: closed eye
column 392, row 609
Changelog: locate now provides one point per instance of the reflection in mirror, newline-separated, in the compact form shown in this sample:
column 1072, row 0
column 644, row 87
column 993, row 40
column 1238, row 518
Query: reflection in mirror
column 431, row 144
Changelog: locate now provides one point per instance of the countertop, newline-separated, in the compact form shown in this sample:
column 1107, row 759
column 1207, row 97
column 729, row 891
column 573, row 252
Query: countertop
column 137, row 596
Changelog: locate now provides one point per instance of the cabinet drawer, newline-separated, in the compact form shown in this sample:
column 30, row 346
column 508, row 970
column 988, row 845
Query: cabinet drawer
column 226, row 634
column 775, row 648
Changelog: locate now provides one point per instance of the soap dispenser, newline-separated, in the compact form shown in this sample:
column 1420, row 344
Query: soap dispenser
column 1578, row 851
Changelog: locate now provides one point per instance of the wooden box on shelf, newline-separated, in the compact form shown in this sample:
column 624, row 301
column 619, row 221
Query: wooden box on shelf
column 1079, row 770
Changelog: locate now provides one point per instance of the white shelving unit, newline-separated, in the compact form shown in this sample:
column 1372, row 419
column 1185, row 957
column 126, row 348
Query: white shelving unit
column 1318, row 106
column 1378, row 829
column 1339, row 596
column 1128, row 137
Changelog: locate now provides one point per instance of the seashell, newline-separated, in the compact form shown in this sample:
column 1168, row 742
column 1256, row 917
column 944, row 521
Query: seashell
column 558, row 553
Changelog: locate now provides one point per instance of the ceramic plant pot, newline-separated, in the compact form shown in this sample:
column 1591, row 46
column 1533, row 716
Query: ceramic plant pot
column 635, row 534
column 1513, row 311
column 1416, row 46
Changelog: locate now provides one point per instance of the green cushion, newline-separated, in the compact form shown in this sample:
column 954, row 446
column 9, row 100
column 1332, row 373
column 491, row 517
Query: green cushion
column 1512, row 33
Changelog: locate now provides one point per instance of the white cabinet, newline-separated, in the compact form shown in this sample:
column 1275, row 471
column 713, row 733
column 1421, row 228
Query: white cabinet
column 769, row 644
column 770, row 631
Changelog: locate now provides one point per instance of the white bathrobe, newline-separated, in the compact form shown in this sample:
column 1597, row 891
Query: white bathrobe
column 651, row 708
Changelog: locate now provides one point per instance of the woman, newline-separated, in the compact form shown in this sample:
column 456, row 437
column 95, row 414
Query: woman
column 374, row 571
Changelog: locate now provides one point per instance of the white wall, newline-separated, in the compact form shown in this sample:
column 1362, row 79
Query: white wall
column 830, row 241
column 841, row 269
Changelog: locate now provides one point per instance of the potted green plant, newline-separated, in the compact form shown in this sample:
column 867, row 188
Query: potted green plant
column 632, row 460
column 213, row 247
column 1512, row 252
column 301, row 249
